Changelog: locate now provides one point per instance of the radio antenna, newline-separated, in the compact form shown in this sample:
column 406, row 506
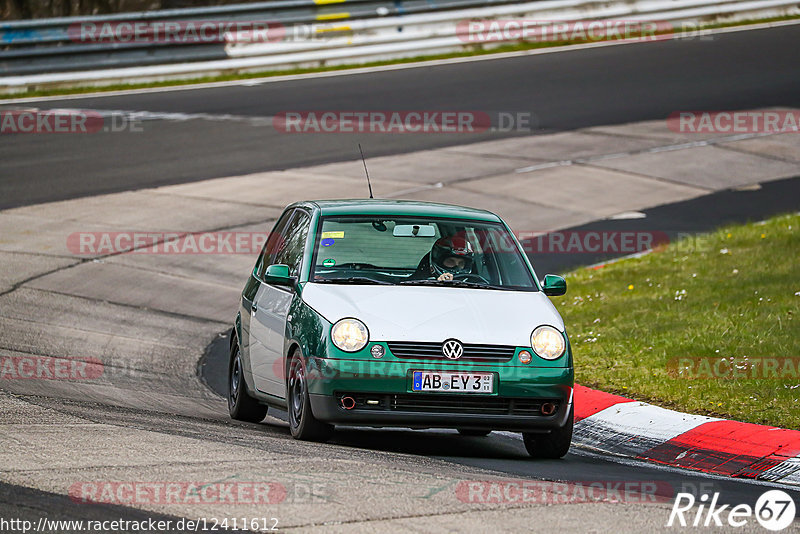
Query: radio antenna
column 364, row 161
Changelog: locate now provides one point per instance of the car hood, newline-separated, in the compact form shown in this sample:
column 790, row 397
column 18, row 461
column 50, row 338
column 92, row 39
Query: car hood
column 434, row 314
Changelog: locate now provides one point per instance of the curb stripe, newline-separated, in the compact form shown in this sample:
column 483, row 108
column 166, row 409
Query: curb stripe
column 590, row 401
column 622, row 426
column 633, row 428
column 729, row 448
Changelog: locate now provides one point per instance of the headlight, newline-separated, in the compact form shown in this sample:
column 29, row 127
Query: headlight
column 349, row 335
column 548, row 342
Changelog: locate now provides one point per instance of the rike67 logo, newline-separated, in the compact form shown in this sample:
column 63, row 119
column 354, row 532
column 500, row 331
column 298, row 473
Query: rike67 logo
column 774, row 510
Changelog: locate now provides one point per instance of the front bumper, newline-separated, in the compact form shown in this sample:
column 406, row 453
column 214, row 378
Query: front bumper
column 383, row 396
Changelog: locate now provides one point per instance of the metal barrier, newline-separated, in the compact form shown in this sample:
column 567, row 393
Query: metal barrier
column 51, row 45
column 46, row 53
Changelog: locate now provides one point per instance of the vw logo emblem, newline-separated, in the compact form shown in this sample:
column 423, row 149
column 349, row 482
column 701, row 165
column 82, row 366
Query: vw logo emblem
column 452, row 349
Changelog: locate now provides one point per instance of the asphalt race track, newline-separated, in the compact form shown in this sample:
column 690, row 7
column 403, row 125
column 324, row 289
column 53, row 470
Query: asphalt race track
column 159, row 415
column 562, row 91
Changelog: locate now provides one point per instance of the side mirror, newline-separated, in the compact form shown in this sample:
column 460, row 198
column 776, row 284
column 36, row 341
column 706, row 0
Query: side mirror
column 278, row 274
column 554, row 285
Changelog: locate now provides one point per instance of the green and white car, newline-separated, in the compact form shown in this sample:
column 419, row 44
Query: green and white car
column 403, row 314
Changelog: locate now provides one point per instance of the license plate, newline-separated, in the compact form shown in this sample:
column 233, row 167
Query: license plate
column 453, row 382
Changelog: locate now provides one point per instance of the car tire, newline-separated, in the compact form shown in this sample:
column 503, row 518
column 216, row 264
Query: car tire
column 474, row 433
column 241, row 405
column 302, row 423
column 553, row 445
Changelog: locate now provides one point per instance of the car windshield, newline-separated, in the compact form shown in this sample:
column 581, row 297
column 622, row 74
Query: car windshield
column 418, row 251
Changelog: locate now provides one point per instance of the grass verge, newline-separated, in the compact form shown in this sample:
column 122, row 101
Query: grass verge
column 515, row 47
column 638, row 325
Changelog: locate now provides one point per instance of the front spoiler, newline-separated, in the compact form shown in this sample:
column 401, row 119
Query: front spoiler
column 326, row 408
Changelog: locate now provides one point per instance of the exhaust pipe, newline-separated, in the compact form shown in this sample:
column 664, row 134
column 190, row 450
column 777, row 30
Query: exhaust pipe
column 548, row 408
column 348, row 403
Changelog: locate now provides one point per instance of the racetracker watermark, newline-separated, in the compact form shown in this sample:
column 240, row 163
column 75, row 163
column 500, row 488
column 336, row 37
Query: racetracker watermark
column 591, row 242
column 354, row 121
column 735, row 122
column 548, row 31
column 65, row 121
column 532, row 242
column 138, row 242
column 734, row 368
column 177, row 31
column 177, row 492
column 543, row 492
column 377, row 370
column 48, row 368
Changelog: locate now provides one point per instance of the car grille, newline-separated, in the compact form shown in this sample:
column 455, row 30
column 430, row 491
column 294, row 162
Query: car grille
column 453, row 404
column 433, row 351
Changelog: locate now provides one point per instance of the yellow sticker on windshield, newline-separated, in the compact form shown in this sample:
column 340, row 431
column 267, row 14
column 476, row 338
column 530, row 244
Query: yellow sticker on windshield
column 332, row 235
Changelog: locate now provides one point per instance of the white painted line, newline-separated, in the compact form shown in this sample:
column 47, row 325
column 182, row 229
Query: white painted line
column 382, row 68
column 254, row 120
column 626, row 215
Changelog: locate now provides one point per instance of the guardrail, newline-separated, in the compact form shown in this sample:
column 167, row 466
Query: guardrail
column 51, row 45
column 50, row 53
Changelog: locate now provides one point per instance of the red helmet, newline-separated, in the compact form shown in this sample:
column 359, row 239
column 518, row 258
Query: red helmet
column 452, row 255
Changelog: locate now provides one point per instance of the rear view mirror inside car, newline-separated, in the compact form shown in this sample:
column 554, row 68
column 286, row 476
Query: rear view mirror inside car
column 414, row 230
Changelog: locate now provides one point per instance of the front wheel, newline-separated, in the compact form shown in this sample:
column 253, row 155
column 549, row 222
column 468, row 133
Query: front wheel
column 302, row 423
column 241, row 405
column 553, row 445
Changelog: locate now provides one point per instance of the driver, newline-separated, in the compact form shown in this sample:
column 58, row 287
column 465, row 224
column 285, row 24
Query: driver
column 451, row 256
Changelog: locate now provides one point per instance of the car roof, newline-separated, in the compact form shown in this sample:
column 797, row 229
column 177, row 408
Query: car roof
column 378, row 206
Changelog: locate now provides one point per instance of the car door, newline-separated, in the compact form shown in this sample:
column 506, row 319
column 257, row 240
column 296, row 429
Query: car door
column 252, row 347
column 271, row 305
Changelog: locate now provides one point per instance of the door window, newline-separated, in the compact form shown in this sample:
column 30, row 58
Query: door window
column 292, row 245
column 273, row 244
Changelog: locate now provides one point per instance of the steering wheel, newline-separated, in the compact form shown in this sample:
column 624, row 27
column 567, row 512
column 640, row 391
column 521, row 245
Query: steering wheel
column 471, row 277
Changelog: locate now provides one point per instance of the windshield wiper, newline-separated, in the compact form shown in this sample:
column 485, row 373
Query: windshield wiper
column 420, row 282
column 353, row 280
column 451, row 283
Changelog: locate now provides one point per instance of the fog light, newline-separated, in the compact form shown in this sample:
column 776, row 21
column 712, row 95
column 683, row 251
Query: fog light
column 525, row 356
column 377, row 351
